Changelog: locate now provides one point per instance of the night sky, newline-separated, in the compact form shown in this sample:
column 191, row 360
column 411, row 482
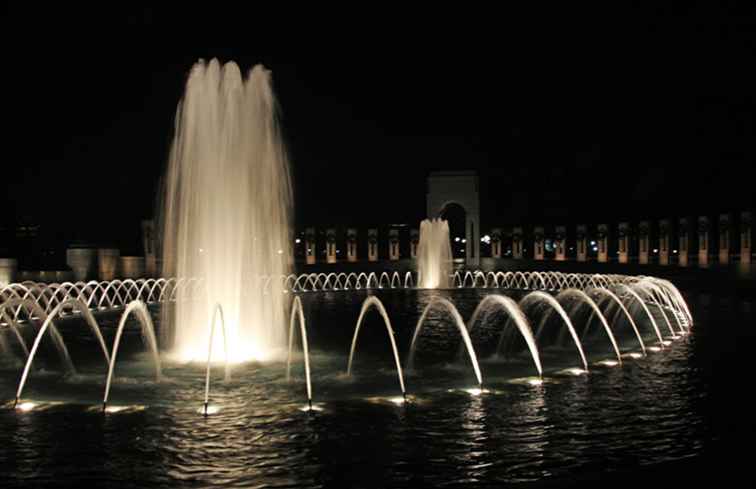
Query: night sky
column 567, row 116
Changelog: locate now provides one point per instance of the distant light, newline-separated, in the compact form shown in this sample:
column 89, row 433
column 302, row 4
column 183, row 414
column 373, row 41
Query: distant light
column 297, row 241
column 201, row 250
column 593, row 243
column 656, row 250
column 464, row 241
column 309, row 250
column 485, row 239
column 674, row 251
column 338, row 251
column 456, row 240
column 280, row 252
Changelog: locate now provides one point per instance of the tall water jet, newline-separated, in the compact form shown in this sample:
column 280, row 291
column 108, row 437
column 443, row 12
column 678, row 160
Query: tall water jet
column 226, row 215
column 434, row 255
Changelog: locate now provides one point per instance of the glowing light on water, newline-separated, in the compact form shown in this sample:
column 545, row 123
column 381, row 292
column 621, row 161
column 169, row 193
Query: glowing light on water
column 476, row 391
column 26, row 406
column 211, row 409
column 574, row 371
column 653, row 348
column 398, row 400
column 228, row 193
column 608, row 363
column 535, row 381
column 666, row 342
column 315, row 407
column 635, row 355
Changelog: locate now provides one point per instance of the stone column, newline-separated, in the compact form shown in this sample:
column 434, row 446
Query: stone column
column 725, row 235
column 372, row 245
column 83, row 262
column 623, row 242
column 351, row 245
column 745, row 237
column 684, row 245
column 393, row 244
column 664, row 242
column 330, row 245
column 311, row 246
column 560, row 243
column 414, row 241
column 582, row 242
column 643, row 242
column 538, row 243
column 107, row 263
column 703, row 241
column 517, row 243
column 149, row 241
column 8, row 270
column 603, row 243
column 132, row 267
column 496, row 243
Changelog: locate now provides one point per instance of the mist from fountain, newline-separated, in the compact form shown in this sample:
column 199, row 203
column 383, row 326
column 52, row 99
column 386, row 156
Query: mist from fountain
column 225, row 216
column 434, row 255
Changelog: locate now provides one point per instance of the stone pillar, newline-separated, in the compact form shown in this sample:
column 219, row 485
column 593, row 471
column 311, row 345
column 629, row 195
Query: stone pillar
column 149, row 241
column 560, row 243
column 330, row 245
column 684, row 245
column 643, row 242
column 703, row 241
column 107, row 263
column 393, row 245
column 623, row 242
column 582, row 242
column 8, row 270
column 725, row 237
column 745, row 237
column 603, row 243
column 517, row 243
column 311, row 246
column 83, row 263
column 664, row 242
column 351, row 245
column 132, row 267
column 414, row 241
column 538, row 243
column 372, row 245
column 63, row 276
column 496, row 243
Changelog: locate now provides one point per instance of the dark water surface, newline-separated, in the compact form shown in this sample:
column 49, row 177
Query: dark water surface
column 675, row 416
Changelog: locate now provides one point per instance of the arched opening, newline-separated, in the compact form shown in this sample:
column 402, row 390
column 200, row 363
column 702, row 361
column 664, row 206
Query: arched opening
column 456, row 216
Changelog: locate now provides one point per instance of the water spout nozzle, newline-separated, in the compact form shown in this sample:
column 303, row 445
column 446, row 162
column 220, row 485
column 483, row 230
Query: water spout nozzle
column 404, row 396
column 15, row 402
column 309, row 403
column 204, row 411
column 104, row 406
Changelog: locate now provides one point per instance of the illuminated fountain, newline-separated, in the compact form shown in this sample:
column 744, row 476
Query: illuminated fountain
column 226, row 215
column 434, row 255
